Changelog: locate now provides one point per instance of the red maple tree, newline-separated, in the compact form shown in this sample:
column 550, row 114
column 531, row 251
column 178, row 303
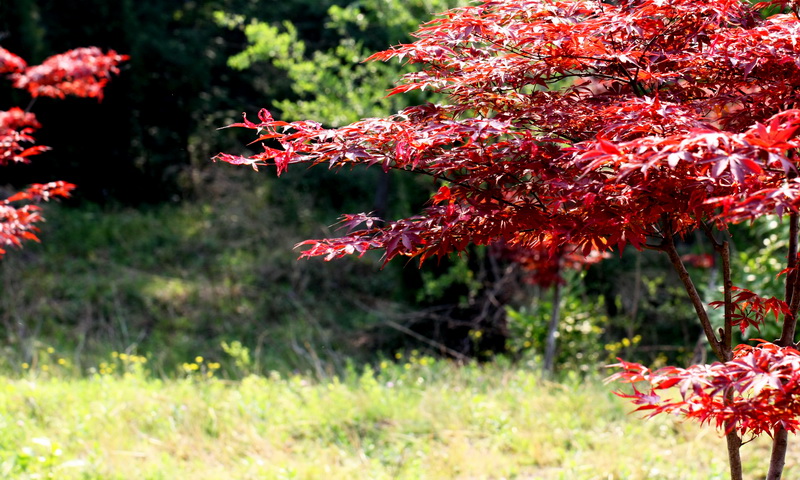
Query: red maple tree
column 82, row 72
column 598, row 125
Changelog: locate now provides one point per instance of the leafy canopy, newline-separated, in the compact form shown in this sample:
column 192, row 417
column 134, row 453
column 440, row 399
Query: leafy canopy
column 675, row 113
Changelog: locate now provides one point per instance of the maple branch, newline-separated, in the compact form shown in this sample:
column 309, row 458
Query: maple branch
column 668, row 247
column 469, row 187
column 727, row 340
column 30, row 104
column 536, row 56
column 592, row 71
column 462, row 184
column 723, row 249
column 792, row 295
column 732, row 439
column 734, row 443
column 780, row 440
column 777, row 459
column 558, row 78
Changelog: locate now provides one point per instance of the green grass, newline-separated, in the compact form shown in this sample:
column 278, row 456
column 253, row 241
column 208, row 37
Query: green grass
column 413, row 419
column 180, row 278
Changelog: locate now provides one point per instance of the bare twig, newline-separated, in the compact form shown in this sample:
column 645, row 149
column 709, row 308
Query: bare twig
column 426, row 340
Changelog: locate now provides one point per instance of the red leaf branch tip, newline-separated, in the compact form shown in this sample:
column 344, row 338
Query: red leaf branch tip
column 82, row 72
column 749, row 309
column 10, row 63
column 765, row 381
column 16, row 129
column 19, row 223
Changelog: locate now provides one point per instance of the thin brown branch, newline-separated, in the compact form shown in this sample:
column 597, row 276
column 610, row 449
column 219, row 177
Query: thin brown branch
column 791, row 257
column 792, row 284
column 727, row 285
column 426, row 340
column 724, row 251
column 734, row 443
column 668, row 246
column 777, row 459
column 733, row 440
column 780, row 441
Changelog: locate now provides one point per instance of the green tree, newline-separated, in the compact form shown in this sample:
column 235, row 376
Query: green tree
column 332, row 84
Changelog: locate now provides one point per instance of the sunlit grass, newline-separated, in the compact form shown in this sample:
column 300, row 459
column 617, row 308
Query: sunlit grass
column 412, row 419
column 176, row 278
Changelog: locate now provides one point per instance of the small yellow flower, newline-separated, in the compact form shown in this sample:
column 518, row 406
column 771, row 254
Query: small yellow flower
column 123, row 356
column 198, row 359
column 45, row 368
column 26, row 366
column 398, row 355
column 50, row 350
column 114, row 354
column 190, row 367
column 62, row 361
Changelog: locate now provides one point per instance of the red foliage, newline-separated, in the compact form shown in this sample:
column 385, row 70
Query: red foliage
column 10, row 63
column 82, row 72
column 16, row 128
column 764, row 382
column 749, row 309
column 681, row 109
column 544, row 263
column 17, row 224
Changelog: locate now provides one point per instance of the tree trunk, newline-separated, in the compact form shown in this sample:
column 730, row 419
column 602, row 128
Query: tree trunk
column 777, row 459
column 780, row 441
column 552, row 332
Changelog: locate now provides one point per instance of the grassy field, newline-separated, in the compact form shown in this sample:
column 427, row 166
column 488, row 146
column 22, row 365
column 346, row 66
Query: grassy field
column 411, row 418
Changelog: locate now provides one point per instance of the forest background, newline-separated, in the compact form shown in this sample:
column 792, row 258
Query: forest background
column 165, row 254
